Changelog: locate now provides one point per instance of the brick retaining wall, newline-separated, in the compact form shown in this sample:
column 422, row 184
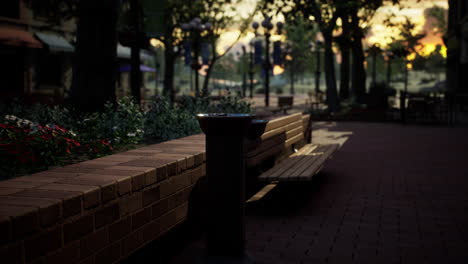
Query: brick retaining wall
column 102, row 210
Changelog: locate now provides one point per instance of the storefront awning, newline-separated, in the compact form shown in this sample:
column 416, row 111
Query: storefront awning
column 18, row 37
column 143, row 68
column 55, row 42
column 125, row 53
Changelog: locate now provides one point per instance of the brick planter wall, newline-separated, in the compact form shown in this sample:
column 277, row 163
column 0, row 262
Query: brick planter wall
column 102, row 210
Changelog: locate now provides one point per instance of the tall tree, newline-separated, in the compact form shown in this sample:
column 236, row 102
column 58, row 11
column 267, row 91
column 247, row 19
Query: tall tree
column 299, row 34
column 94, row 76
column 176, row 12
column 344, row 43
column 221, row 14
column 324, row 14
column 440, row 15
column 360, row 12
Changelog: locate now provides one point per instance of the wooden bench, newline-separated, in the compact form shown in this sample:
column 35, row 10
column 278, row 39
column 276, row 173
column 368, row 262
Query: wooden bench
column 285, row 103
column 285, row 141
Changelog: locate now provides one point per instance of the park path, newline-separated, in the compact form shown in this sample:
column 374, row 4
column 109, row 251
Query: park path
column 391, row 194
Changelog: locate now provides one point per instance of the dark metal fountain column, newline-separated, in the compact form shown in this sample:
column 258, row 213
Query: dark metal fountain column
column 225, row 135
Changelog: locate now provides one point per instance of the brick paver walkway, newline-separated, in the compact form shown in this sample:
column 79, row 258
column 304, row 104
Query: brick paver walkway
column 391, row 194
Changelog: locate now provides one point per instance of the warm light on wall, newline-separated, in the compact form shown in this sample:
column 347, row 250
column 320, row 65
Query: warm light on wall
column 278, row 70
column 156, row 43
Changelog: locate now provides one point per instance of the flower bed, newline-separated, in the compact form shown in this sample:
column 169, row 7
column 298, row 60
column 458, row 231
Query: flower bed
column 34, row 138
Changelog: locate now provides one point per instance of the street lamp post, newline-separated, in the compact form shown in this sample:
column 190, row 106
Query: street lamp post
column 374, row 51
column 389, row 57
column 289, row 60
column 196, row 28
column 244, row 72
column 267, row 26
column 251, row 69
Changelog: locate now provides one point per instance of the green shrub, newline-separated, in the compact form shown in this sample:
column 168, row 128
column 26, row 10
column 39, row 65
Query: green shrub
column 165, row 121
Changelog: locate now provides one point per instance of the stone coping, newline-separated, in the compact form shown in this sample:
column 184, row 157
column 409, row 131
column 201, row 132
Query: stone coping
column 31, row 203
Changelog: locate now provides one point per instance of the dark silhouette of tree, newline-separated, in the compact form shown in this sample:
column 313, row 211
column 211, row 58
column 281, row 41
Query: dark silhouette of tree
column 299, row 34
column 344, row 42
column 94, row 65
column 221, row 14
column 94, row 75
column 325, row 15
column 178, row 12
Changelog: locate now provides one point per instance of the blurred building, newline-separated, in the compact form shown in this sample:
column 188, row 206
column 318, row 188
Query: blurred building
column 457, row 44
column 36, row 57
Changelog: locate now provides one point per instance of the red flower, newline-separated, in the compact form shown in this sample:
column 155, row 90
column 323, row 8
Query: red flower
column 46, row 137
column 6, row 126
column 61, row 129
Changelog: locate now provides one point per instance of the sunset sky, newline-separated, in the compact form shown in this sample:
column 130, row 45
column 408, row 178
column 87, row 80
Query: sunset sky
column 378, row 32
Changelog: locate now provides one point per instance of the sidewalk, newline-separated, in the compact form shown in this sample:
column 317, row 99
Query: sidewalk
column 391, row 194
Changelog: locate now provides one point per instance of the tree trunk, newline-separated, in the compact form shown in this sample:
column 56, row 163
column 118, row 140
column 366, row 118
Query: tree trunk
column 206, row 82
column 95, row 72
column 344, row 73
column 292, row 80
column 209, row 70
column 169, row 64
column 330, row 78
column 358, row 77
column 344, row 41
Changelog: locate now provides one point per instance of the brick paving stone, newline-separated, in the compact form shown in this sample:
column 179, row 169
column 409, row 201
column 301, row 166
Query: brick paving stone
column 391, row 194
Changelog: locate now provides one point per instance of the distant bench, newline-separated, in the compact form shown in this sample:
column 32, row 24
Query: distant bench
column 285, row 140
column 285, row 103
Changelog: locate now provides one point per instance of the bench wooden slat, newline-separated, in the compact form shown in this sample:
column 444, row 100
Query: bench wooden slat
column 327, row 152
column 300, row 166
column 264, row 155
column 264, row 145
column 292, row 175
column 293, row 140
column 294, row 124
column 282, row 129
column 280, row 134
column 282, row 121
column 279, row 169
column 305, row 150
column 293, row 132
column 305, row 163
column 285, row 165
column 273, row 132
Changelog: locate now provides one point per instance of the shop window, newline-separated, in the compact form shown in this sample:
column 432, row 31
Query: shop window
column 9, row 8
column 11, row 70
column 48, row 70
